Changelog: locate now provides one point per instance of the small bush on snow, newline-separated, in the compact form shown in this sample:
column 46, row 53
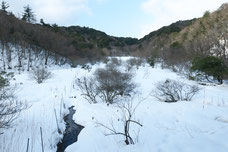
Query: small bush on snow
column 173, row 91
column 137, row 62
column 88, row 89
column 40, row 74
column 115, row 61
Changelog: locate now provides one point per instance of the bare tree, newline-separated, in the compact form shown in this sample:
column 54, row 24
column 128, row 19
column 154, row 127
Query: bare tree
column 135, row 62
column 127, row 109
column 30, row 51
column 9, row 56
column 3, row 55
column 46, row 56
column 173, row 91
column 19, row 56
column 40, row 74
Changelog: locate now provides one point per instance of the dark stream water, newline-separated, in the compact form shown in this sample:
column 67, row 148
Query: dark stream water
column 71, row 133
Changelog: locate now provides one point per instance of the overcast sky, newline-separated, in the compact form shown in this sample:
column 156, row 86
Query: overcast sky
column 133, row 18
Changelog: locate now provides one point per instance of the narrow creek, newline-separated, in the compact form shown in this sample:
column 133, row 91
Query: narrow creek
column 71, row 133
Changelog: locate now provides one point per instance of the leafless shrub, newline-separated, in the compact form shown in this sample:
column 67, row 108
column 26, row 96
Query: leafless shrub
column 137, row 62
column 127, row 109
column 115, row 61
column 10, row 107
column 40, row 74
column 111, row 83
column 182, row 68
column 108, row 84
column 173, row 91
column 86, row 67
column 105, row 60
column 88, row 89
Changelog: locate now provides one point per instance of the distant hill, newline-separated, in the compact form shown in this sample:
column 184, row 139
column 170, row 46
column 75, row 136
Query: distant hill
column 183, row 40
column 166, row 30
column 72, row 42
column 91, row 39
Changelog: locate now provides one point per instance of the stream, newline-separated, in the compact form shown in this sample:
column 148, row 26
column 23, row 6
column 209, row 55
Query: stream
column 71, row 133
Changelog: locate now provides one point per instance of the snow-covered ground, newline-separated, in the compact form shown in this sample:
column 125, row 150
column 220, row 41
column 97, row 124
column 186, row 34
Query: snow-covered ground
column 199, row 125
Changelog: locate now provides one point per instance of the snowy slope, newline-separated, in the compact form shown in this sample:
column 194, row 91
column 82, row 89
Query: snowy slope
column 200, row 125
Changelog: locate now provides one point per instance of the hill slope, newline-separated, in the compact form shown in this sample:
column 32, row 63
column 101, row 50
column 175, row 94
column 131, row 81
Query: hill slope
column 71, row 42
column 183, row 40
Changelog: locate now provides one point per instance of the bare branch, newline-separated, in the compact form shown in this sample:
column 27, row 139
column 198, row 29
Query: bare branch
column 128, row 110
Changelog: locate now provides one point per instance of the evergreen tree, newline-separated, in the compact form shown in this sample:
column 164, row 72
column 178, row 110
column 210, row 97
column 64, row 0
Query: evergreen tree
column 42, row 21
column 28, row 15
column 55, row 27
column 4, row 6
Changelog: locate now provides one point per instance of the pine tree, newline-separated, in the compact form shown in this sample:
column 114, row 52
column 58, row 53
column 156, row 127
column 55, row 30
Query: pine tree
column 210, row 66
column 42, row 21
column 28, row 15
column 4, row 6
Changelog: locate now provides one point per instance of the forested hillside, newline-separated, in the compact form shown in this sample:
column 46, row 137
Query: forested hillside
column 184, row 40
column 71, row 42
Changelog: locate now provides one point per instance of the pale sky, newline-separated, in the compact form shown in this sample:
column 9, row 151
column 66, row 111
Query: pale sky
column 127, row 18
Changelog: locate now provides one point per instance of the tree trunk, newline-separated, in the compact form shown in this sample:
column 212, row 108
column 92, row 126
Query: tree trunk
column 9, row 56
column 3, row 58
column 29, row 59
column 46, row 57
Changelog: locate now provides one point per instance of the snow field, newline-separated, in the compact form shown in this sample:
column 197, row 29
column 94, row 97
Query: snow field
column 199, row 125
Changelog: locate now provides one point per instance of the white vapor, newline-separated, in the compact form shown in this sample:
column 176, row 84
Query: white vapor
column 53, row 11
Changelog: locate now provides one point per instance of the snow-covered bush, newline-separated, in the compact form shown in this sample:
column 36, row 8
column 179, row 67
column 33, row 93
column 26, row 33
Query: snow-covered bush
column 173, row 91
column 40, row 74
